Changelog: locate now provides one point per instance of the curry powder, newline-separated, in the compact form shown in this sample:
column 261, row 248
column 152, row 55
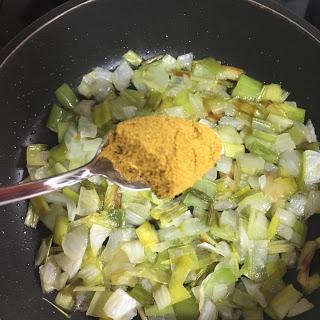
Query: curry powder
column 169, row 154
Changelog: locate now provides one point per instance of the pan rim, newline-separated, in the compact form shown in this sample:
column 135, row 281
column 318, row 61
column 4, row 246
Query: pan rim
column 27, row 33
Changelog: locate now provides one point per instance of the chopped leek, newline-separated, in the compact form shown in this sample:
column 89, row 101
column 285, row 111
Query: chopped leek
column 284, row 300
column 141, row 295
column 66, row 96
column 247, row 88
column 133, row 58
column 220, row 249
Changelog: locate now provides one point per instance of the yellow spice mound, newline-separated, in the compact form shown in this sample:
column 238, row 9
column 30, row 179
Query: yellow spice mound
column 169, row 154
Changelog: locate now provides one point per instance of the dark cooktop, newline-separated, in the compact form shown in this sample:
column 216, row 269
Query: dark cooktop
column 17, row 14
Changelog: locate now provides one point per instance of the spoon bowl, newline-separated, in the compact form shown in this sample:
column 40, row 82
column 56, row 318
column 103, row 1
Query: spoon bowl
column 99, row 166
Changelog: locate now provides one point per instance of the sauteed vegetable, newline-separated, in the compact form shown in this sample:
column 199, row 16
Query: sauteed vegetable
column 221, row 249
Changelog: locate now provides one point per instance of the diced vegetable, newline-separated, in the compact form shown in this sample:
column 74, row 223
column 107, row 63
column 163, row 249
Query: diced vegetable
column 133, row 58
column 283, row 301
column 120, row 305
column 247, row 88
column 66, row 96
column 222, row 248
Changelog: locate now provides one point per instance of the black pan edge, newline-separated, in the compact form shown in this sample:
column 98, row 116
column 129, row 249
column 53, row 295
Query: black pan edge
column 42, row 22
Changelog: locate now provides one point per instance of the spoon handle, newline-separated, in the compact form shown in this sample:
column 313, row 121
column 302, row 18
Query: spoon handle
column 36, row 188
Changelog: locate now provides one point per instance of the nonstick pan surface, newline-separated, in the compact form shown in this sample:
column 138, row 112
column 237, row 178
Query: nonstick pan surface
column 268, row 42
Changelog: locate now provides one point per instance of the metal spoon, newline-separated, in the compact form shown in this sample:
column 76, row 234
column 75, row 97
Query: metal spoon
column 98, row 166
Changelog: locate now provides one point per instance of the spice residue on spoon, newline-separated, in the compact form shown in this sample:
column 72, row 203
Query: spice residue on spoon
column 169, row 154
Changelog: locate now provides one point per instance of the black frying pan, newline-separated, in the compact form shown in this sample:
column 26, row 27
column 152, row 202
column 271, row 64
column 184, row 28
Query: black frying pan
column 259, row 36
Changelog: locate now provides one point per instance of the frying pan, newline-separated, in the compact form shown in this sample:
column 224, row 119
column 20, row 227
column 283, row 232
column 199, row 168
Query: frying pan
column 259, row 36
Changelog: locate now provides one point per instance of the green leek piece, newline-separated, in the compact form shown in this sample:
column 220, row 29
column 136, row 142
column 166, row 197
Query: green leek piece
column 206, row 186
column 153, row 100
column 280, row 247
column 279, row 123
column 182, row 99
column 225, row 233
column 284, row 300
column 207, row 68
column 141, row 295
column 253, row 314
column 59, row 168
column 147, row 234
column 133, row 97
column 167, row 212
column 37, row 155
column 57, row 114
column 66, row 96
column 298, row 133
column 97, row 304
column 239, row 195
column 133, row 58
column 40, row 205
column 153, row 311
column 262, row 125
column 233, row 150
column 62, row 129
column 116, row 217
column 72, row 195
column 269, row 137
column 192, row 200
column 187, row 309
column 60, row 229
column 271, row 92
column 257, row 147
column 273, row 227
column 247, row 88
column 182, row 267
column 243, row 299
column 58, row 153
column 101, row 113
column 150, row 256
column 287, row 110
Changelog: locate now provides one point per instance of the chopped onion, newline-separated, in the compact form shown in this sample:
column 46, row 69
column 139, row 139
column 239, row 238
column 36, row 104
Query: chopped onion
column 122, row 75
column 71, row 267
column 74, row 243
column 134, row 250
column 98, row 235
column 177, row 112
column 161, row 296
column 185, row 61
column 208, row 311
column 86, row 128
column 120, row 306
